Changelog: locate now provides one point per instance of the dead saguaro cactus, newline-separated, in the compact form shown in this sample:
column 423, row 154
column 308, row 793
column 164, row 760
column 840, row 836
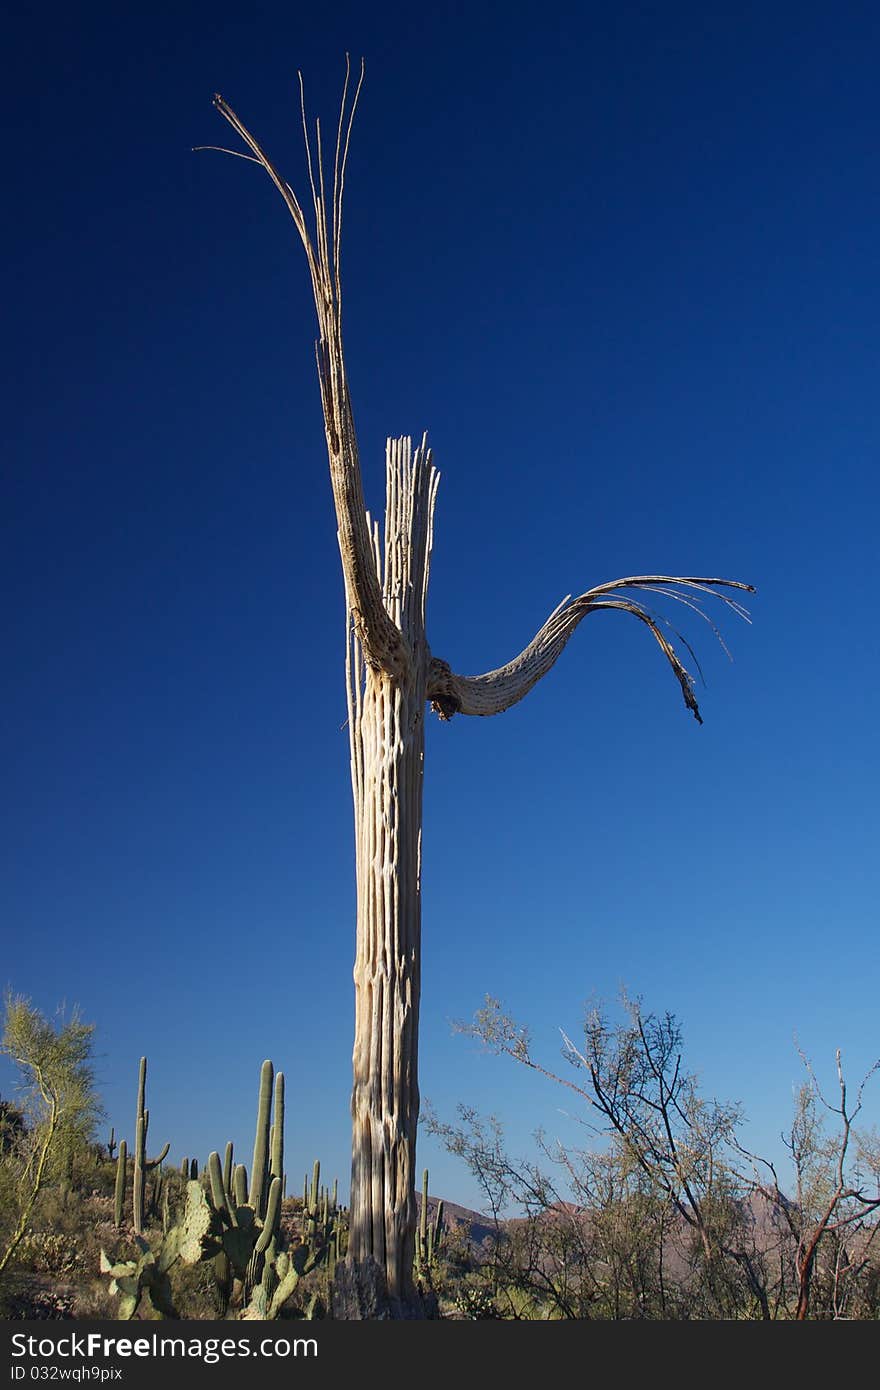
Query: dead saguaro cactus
column 391, row 675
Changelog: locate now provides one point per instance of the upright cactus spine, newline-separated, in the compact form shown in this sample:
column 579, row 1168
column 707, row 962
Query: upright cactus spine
column 429, row 1234
column 276, row 1162
column 260, row 1165
column 156, row 1194
column 423, row 1220
column 316, row 1186
column 142, row 1119
column 239, row 1185
column 320, row 1211
column 267, row 1178
column 437, row 1231
column 227, row 1170
column 251, row 1238
column 255, row 1264
column 312, row 1203
column 220, row 1197
column 119, row 1194
column 142, row 1164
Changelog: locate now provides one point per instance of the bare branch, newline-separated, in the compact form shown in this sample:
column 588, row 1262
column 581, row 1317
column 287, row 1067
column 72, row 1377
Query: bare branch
column 496, row 691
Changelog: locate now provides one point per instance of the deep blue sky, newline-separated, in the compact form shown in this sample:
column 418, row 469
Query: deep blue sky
column 622, row 262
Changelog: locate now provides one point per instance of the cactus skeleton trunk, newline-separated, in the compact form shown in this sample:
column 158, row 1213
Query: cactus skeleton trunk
column 391, row 676
column 386, row 720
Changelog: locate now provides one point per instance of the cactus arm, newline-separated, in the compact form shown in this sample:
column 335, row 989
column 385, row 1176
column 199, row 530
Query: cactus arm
column 260, row 1166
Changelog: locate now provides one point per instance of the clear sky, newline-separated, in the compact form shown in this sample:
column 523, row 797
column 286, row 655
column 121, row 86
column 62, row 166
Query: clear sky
column 622, row 263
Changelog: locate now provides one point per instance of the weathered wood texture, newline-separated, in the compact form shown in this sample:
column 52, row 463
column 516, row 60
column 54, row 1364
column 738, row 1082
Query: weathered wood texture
column 386, row 719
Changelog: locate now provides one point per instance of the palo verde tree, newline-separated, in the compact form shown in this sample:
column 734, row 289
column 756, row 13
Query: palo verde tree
column 391, row 675
column 60, row 1110
column 833, row 1218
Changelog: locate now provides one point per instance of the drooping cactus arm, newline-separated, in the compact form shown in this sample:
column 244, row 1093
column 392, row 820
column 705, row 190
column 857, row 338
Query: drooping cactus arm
column 495, row 691
column 384, row 646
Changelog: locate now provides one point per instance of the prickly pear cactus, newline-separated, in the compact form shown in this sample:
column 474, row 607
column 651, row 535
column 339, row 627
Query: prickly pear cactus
column 148, row 1274
column 199, row 1231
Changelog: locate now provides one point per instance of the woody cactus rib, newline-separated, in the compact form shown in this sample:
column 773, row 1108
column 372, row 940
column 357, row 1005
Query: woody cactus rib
column 495, row 691
column 382, row 642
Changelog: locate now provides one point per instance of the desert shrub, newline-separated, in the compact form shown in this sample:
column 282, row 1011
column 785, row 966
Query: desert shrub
column 43, row 1138
column 50, row 1252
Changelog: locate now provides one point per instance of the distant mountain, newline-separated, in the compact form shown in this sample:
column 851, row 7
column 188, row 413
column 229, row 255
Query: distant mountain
column 764, row 1228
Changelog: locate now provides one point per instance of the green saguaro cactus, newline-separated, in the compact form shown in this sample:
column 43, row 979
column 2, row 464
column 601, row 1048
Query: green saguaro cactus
column 276, row 1147
column 257, row 1264
column 227, row 1168
column 260, row 1165
column 142, row 1164
column 429, row 1234
column 119, row 1194
column 240, row 1231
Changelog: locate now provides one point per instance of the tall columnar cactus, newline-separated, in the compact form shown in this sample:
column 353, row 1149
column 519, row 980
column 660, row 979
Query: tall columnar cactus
column 255, row 1268
column 240, row 1185
column 313, row 1195
column 142, row 1164
column 221, row 1199
column 321, row 1224
column 242, row 1234
column 276, row 1154
column 111, row 1145
column 154, row 1207
column 429, row 1234
column 260, row 1165
column 119, row 1195
column 227, row 1168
